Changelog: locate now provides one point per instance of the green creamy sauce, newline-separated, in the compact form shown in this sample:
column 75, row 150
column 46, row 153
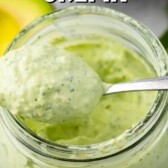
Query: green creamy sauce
column 114, row 113
column 48, row 84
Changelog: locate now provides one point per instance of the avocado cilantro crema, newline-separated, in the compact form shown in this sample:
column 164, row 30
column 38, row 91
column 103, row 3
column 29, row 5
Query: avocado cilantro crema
column 48, row 84
column 108, row 117
column 113, row 114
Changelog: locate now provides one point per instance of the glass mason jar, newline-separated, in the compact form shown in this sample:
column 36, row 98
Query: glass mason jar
column 144, row 145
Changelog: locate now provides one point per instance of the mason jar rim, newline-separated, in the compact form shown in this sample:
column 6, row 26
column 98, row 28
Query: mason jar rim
column 85, row 149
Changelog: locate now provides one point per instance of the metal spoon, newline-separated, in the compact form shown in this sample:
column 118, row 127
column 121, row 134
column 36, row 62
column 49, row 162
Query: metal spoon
column 149, row 84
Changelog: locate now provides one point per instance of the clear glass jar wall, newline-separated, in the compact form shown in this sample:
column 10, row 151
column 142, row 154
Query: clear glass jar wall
column 146, row 145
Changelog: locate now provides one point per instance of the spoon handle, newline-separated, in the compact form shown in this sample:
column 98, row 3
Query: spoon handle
column 149, row 84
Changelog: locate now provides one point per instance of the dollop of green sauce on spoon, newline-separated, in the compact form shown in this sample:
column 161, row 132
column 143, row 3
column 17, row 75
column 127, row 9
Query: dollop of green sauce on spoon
column 48, row 84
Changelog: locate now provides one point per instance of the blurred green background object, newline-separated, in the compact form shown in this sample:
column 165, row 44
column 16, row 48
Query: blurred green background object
column 164, row 37
column 16, row 14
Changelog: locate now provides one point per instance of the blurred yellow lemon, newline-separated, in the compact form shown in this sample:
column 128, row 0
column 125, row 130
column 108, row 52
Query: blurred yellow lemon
column 16, row 14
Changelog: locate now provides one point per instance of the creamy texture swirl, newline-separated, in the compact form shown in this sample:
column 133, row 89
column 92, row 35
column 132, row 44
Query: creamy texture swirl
column 48, row 84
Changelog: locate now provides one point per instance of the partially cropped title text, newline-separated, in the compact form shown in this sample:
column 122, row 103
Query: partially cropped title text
column 86, row 1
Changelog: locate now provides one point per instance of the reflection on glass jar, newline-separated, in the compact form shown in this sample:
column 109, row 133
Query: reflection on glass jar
column 119, row 49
